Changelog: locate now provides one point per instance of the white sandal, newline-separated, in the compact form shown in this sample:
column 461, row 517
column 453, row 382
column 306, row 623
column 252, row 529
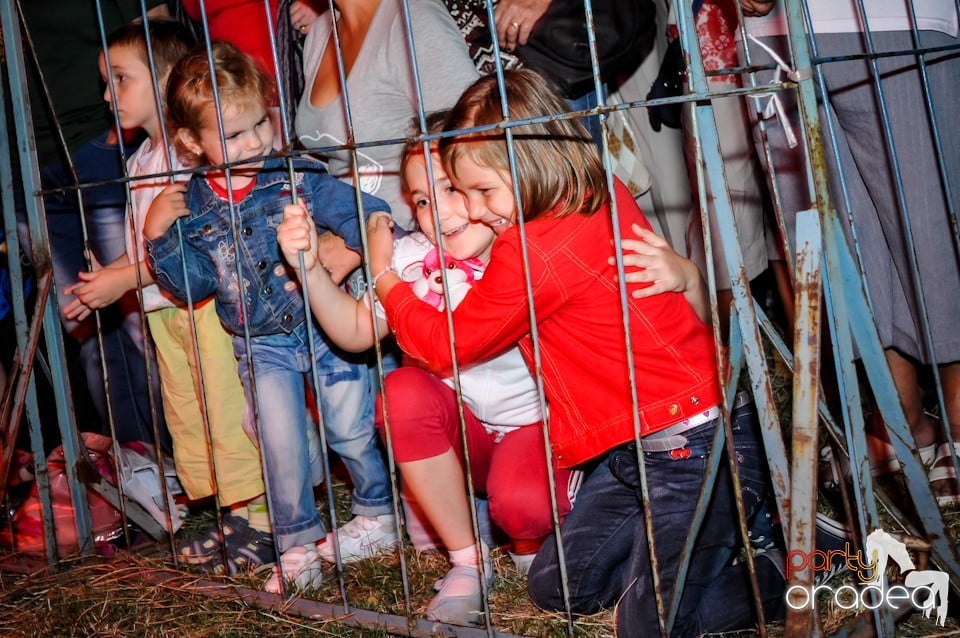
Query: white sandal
column 942, row 470
column 928, row 456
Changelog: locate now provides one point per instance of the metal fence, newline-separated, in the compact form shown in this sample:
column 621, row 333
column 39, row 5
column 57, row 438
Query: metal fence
column 818, row 211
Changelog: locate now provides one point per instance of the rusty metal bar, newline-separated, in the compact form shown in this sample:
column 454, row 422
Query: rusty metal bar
column 805, row 398
column 851, row 327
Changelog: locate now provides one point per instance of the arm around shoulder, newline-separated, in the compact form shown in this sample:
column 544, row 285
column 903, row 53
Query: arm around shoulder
column 653, row 261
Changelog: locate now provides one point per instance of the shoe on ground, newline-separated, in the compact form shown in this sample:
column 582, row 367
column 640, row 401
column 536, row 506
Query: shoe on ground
column 363, row 537
column 883, row 462
column 831, row 535
column 300, row 568
column 247, row 548
column 459, row 599
column 522, row 562
column 941, row 470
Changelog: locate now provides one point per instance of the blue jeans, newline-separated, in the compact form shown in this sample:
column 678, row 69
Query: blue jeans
column 588, row 101
column 280, row 363
column 605, row 541
column 123, row 337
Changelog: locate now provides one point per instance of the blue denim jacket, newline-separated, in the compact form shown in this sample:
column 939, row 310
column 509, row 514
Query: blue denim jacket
column 210, row 253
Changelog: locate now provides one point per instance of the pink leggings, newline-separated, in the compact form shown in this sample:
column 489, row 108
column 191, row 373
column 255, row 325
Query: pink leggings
column 424, row 422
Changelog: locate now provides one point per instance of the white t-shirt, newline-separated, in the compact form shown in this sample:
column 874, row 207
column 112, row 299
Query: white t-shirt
column 499, row 391
column 842, row 16
column 147, row 161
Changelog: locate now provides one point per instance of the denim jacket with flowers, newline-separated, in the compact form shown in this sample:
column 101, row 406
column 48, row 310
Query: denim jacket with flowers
column 211, row 247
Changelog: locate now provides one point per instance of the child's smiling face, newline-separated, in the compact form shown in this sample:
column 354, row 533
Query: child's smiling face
column 462, row 238
column 488, row 193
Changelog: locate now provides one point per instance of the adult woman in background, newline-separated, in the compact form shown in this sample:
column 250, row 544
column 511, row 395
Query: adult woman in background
column 381, row 89
column 379, row 102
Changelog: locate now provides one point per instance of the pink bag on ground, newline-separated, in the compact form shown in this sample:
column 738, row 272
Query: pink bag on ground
column 27, row 534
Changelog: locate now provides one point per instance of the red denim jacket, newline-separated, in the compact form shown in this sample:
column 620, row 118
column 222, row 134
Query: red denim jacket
column 580, row 331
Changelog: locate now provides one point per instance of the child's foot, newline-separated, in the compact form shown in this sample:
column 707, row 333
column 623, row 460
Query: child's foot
column 363, row 537
column 523, row 551
column 299, row 567
column 942, row 477
column 522, row 562
column 247, row 548
column 459, row 599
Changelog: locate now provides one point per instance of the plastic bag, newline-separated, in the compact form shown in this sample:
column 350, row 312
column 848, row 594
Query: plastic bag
column 27, row 527
column 141, row 481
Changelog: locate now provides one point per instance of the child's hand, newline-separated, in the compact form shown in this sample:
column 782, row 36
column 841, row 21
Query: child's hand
column 166, row 208
column 296, row 233
column 657, row 264
column 95, row 289
column 380, row 238
column 337, row 258
column 77, row 311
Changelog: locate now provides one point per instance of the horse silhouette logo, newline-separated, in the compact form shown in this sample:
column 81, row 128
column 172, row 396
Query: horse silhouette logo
column 881, row 547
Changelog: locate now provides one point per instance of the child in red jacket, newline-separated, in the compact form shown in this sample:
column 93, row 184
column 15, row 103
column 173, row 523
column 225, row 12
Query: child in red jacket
column 606, row 380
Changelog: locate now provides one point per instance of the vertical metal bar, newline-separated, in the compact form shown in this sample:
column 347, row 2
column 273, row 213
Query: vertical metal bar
column 756, row 360
column 903, row 207
column 783, row 352
column 74, row 449
column 839, row 328
column 868, row 342
column 22, row 325
column 24, row 329
column 355, row 170
column 534, row 333
column 190, row 304
column 41, row 260
column 707, row 151
column 147, row 344
column 234, row 235
column 806, row 372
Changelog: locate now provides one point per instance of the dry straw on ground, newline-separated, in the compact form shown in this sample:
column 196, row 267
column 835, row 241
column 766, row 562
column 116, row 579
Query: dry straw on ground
column 134, row 594
column 119, row 598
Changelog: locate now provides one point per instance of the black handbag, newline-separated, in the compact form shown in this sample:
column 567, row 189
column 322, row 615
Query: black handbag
column 669, row 83
column 558, row 48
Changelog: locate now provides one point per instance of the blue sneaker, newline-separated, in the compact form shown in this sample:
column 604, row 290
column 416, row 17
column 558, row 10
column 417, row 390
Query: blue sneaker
column 831, row 535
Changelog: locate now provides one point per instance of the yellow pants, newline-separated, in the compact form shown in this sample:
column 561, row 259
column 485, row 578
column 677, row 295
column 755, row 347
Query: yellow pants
column 236, row 459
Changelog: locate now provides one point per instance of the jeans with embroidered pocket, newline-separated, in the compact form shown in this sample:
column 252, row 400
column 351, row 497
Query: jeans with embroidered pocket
column 281, row 363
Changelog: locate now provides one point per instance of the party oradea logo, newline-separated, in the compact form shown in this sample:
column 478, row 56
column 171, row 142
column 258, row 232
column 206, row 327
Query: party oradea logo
column 924, row 589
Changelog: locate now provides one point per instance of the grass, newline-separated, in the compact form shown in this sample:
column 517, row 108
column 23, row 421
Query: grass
column 116, row 597
column 121, row 597
column 142, row 594
column 136, row 594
